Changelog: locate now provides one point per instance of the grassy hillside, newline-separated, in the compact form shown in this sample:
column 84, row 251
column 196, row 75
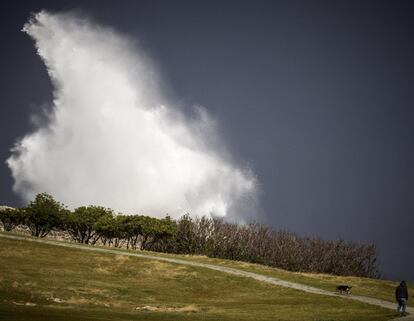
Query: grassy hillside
column 374, row 288
column 45, row 282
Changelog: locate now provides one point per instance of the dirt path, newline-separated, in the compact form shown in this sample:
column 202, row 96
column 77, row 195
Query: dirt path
column 259, row 277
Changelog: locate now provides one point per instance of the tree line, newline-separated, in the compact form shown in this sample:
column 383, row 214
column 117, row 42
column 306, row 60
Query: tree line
column 213, row 237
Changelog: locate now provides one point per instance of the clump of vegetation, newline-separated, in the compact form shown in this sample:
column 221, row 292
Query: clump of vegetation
column 257, row 243
column 213, row 237
column 81, row 224
column 10, row 218
column 43, row 215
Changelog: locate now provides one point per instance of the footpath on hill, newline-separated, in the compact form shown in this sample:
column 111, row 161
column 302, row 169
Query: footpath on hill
column 256, row 276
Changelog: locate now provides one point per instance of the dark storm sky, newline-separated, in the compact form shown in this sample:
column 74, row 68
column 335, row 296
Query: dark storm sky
column 316, row 96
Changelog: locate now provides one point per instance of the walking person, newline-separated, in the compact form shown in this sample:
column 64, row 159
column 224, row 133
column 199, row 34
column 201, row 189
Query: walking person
column 401, row 295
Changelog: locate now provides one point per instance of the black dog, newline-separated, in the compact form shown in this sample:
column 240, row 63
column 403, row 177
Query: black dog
column 344, row 289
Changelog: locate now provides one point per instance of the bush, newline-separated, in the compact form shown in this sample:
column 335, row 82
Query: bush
column 81, row 223
column 44, row 214
column 10, row 218
column 258, row 243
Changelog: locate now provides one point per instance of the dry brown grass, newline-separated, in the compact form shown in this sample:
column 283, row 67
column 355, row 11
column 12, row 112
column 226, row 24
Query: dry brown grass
column 69, row 284
column 183, row 309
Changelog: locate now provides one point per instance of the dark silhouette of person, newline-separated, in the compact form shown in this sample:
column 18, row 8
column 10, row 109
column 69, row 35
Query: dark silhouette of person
column 401, row 295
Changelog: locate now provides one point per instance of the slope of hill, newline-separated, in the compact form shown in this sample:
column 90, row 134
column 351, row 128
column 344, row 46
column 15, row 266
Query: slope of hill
column 46, row 282
column 374, row 288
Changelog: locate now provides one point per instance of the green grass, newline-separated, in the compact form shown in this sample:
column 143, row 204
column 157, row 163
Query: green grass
column 374, row 288
column 46, row 282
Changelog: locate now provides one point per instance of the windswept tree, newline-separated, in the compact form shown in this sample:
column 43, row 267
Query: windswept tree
column 81, row 224
column 44, row 214
column 10, row 218
column 132, row 228
column 155, row 231
column 108, row 229
column 185, row 237
column 166, row 230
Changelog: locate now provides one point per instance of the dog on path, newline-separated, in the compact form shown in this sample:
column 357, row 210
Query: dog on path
column 344, row 289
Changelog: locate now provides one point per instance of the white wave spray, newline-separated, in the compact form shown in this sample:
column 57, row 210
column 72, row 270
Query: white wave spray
column 110, row 138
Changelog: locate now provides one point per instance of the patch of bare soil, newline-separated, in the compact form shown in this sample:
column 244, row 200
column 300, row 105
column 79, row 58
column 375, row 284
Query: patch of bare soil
column 29, row 304
column 184, row 309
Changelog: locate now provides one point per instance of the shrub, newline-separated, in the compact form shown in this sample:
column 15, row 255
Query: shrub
column 81, row 223
column 44, row 214
column 10, row 218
